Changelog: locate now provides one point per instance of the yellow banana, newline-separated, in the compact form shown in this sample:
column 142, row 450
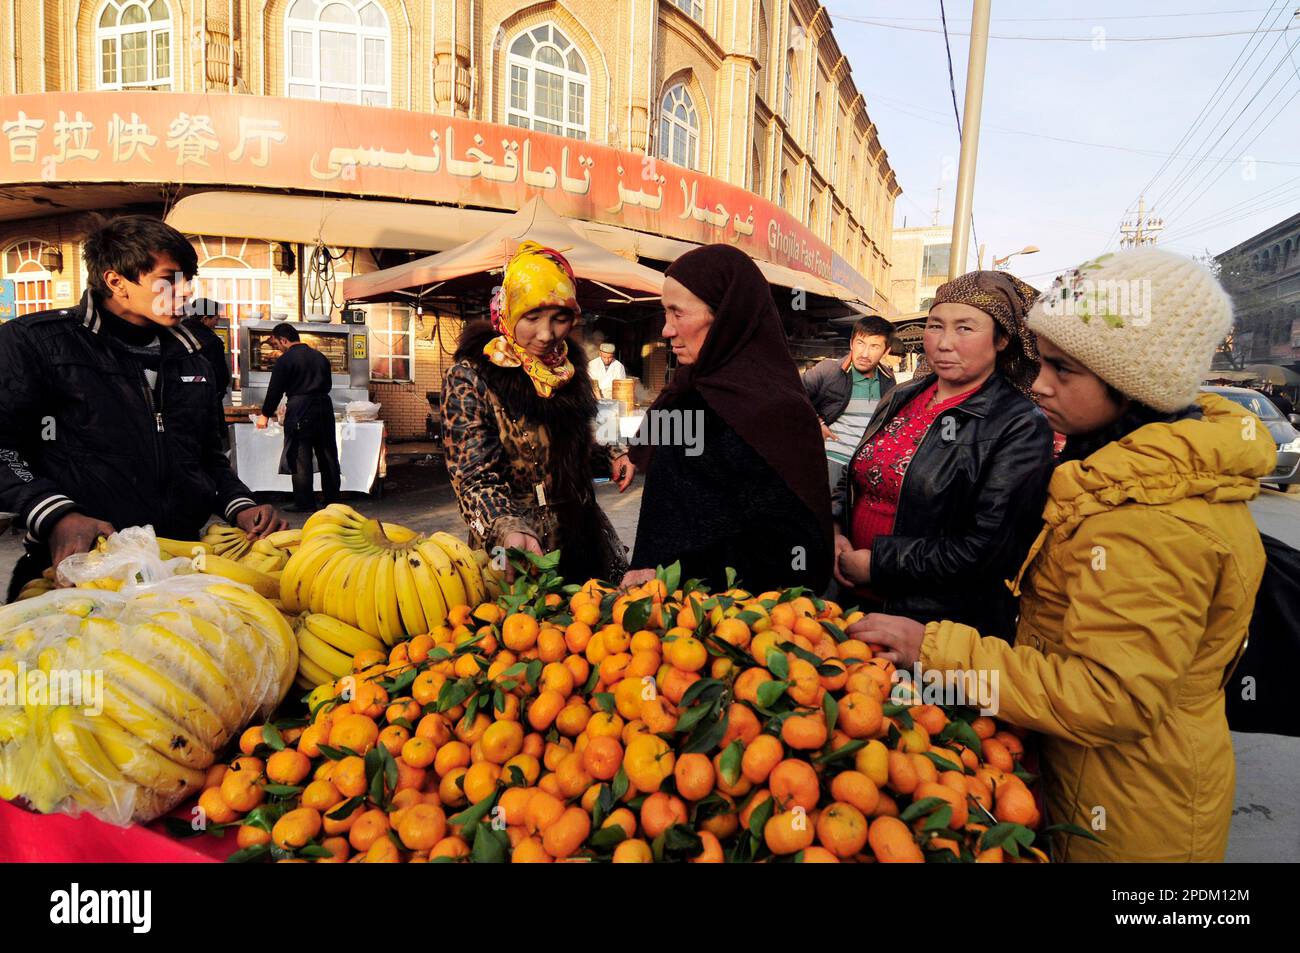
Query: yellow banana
column 326, row 656
column 390, row 625
column 432, row 602
column 195, row 666
column 285, row 538
column 334, row 515
column 313, row 673
column 222, row 646
column 462, row 558
column 180, row 547
column 173, row 700
column 142, row 765
column 398, row 534
column 300, row 571
column 408, row 596
column 346, row 638
column 315, row 601
column 100, row 786
column 159, row 731
column 232, row 570
column 366, row 612
column 338, row 590
column 449, row 580
column 258, row 612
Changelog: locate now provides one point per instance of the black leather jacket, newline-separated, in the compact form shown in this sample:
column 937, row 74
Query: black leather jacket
column 81, row 430
column 970, row 506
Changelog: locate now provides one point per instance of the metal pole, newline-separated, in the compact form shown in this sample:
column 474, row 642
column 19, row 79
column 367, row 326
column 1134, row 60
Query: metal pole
column 970, row 135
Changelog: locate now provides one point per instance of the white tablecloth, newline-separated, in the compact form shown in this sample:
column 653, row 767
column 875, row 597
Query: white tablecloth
column 256, row 455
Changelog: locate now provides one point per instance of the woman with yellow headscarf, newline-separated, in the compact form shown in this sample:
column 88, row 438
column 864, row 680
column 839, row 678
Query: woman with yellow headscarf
column 517, row 418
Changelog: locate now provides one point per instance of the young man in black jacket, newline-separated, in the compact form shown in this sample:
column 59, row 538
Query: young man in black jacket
column 108, row 416
column 846, row 393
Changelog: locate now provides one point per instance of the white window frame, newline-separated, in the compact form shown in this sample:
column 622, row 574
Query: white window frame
column 220, row 283
column 692, row 8
column 382, row 338
column 310, row 87
column 669, row 124
column 528, row 118
column 151, row 29
column 28, row 279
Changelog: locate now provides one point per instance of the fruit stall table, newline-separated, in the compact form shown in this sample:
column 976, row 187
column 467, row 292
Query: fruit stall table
column 256, row 456
column 26, row 837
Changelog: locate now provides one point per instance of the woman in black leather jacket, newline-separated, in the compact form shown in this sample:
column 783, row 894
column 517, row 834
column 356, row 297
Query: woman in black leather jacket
column 945, row 492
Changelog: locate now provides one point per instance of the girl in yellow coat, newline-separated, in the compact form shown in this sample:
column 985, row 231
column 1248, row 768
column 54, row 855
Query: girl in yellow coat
column 1136, row 598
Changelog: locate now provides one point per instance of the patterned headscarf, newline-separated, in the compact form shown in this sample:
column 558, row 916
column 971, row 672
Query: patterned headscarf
column 536, row 277
column 1006, row 299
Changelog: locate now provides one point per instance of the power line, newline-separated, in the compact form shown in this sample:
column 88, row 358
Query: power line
column 1059, row 39
column 906, row 108
column 1139, row 16
column 952, row 87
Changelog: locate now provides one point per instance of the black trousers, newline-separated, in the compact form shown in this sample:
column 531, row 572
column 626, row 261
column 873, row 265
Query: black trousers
column 315, row 437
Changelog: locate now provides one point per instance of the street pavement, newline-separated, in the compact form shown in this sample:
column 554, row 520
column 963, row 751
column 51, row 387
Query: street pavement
column 1266, row 818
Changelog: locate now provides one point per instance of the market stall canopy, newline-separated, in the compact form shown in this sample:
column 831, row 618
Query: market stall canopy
column 534, row 222
column 1236, row 377
column 1275, row 374
column 340, row 223
column 670, row 249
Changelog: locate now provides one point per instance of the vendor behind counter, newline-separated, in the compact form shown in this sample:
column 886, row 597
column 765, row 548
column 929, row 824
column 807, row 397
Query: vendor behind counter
column 303, row 375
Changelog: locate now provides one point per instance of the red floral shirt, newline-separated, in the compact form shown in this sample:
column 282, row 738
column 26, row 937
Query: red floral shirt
column 879, row 465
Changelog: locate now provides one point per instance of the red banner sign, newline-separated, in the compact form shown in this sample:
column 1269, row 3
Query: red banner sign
column 270, row 142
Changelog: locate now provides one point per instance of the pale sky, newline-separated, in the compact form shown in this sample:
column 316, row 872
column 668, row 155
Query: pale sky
column 1068, row 198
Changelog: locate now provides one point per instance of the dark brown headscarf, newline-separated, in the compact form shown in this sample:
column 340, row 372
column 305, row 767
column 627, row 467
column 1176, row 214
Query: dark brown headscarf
column 746, row 374
column 1006, row 299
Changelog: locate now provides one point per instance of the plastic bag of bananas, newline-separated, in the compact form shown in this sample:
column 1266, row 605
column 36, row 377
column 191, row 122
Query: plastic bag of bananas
column 117, row 701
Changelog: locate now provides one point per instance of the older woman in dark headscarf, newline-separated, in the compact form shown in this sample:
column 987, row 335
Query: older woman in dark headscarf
column 749, row 491
column 945, row 492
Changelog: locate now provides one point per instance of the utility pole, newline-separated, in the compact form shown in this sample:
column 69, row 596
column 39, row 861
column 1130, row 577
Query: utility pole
column 970, row 136
column 1142, row 230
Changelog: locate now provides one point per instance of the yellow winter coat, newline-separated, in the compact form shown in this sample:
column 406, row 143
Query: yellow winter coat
column 1136, row 598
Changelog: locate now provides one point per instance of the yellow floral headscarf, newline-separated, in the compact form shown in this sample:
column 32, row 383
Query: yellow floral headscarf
column 536, row 277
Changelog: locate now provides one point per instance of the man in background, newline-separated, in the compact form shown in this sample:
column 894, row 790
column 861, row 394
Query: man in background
column 303, row 375
column 845, row 393
column 204, row 313
column 605, row 369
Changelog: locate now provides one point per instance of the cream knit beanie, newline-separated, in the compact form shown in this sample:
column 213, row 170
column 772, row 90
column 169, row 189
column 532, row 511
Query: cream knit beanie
column 1145, row 321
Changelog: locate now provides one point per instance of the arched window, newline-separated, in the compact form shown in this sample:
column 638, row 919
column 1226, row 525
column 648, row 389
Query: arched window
column 787, row 100
column 679, row 128
column 835, row 160
column 783, row 193
column 33, row 285
column 236, row 272
column 694, row 8
column 549, row 84
column 815, row 133
column 762, row 52
column 133, row 44
column 756, row 172
column 338, row 51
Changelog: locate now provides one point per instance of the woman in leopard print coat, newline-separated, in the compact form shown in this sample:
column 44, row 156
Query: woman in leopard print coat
column 518, row 426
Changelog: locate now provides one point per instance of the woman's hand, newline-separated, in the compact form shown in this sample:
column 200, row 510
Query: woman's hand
column 623, row 471
column 852, row 566
column 842, row 545
column 636, row 577
column 519, row 541
column 899, row 637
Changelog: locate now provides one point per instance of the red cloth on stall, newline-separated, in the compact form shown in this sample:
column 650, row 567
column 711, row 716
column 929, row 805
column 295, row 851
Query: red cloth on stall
column 26, row 837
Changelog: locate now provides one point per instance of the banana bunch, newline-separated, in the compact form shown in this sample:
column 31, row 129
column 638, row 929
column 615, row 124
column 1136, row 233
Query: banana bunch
column 38, row 586
column 326, row 647
column 226, row 551
column 384, row 579
column 137, row 691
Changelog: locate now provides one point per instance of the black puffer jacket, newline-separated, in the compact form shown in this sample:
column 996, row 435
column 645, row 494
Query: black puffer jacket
column 80, row 430
column 969, row 509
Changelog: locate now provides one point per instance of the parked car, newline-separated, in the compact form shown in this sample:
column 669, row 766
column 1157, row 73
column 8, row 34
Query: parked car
column 1281, row 429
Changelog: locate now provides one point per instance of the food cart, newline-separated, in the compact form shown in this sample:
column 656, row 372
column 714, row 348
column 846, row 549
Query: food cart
column 256, row 453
